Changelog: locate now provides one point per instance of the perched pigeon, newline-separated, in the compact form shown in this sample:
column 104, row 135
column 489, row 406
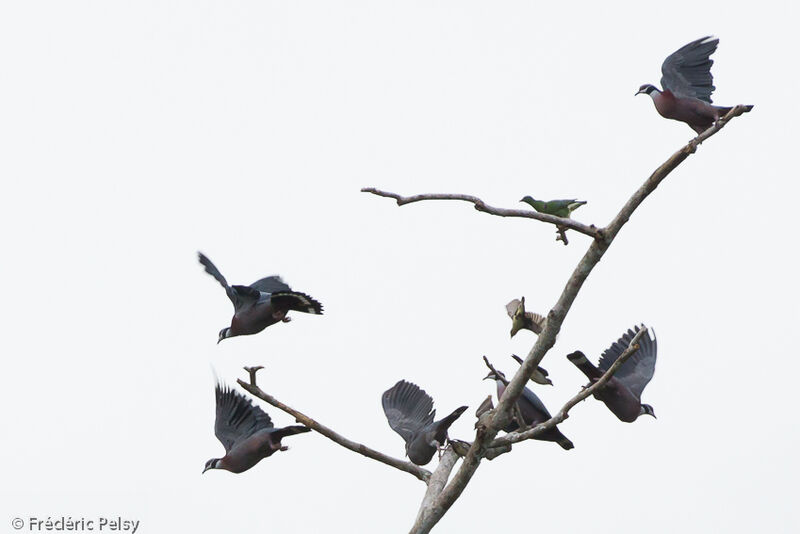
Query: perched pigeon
column 261, row 304
column 533, row 412
column 623, row 392
column 246, row 431
column 687, row 86
column 559, row 208
column 410, row 413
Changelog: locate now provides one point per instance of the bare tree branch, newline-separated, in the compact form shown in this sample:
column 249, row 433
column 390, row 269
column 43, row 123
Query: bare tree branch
column 561, row 223
column 252, row 388
column 502, row 414
column 563, row 413
column 437, row 481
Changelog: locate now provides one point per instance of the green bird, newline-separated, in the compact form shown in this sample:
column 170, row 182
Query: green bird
column 521, row 319
column 559, row 208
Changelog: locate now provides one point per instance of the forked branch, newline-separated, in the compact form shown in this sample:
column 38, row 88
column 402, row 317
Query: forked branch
column 603, row 238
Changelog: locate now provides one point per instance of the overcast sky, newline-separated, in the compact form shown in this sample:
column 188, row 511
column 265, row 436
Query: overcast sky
column 133, row 134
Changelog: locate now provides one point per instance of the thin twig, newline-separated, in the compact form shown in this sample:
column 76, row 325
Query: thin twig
column 480, row 205
column 252, row 388
column 563, row 413
column 502, row 414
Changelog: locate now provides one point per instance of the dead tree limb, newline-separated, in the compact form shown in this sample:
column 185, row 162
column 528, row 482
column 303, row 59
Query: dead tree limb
column 502, row 415
column 560, row 222
column 252, row 388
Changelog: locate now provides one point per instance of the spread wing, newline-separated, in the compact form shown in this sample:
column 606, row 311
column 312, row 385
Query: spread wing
column 239, row 295
column 408, row 409
column 511, row 307
column 237, row 418
column 687, row 71
column 638, row 370
column 534, row 322
column 271, row 284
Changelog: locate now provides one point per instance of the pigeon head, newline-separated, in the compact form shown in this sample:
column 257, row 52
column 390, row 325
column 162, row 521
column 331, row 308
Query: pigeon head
column 647, row 89
column 647, row 409
column 528, row 199
column 211, row 464
column 224, row 333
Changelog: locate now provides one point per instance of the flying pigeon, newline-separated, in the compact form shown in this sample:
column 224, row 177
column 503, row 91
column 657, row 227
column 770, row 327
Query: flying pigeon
column 246, row 431
column 521, row 319
column 261, row 304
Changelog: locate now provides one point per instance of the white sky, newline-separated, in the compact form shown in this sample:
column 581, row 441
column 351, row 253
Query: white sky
column 135, row 133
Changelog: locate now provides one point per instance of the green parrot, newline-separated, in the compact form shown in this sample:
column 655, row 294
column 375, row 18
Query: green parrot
column 559, row 208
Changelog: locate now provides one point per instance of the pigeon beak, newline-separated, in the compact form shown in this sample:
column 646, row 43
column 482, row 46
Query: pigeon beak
column 204, row 470
column 490, row 375
column 638, row 92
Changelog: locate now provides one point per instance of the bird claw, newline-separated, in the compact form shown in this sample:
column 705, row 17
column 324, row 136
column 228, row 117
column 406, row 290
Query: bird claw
column 286, row 319
column 562, row 234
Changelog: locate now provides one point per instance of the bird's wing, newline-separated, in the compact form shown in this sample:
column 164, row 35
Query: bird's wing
column 271, row 284
column 687, row 71
column 237, row 418
column 638, row 370
column 535, row 321
column 213, row 271
column 521, row 361
column 240, row 295
column 511, row 307
column 535, row 402
column 408, row 409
